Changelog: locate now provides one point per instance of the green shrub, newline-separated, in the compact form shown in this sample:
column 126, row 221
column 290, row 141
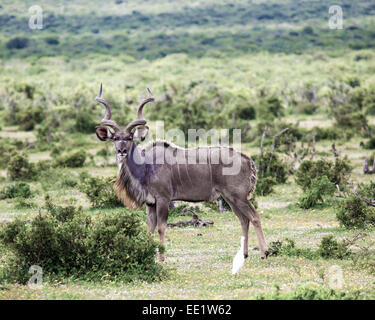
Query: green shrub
column 84, row 122
column 19, row 168
column 100, row 192
column 370, row 144
column 269, row 107
column 337, row 172
column 17, row 43
column 28, row 118
column 367, row 190
column 20, row 189
column 71, row 160
column 353, row 212
column 23, row 203
column 67, row 243
column 307, row 108
column 331, row 249
column 277, row 169
column 8, row 149
column 319, row 189
column 347, row 117
column 330, row 133
column 265, row 186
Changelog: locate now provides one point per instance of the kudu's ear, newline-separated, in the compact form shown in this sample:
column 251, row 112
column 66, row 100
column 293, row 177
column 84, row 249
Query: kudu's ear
column 140, row 133
column 103, row 133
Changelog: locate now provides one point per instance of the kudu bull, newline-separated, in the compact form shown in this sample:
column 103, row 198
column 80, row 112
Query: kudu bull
column 156, row 183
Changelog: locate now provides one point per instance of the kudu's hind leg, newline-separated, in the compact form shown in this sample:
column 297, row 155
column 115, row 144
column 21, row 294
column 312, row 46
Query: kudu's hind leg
column 255, row 220
column 246, row 209
column 245, row 232
column 162, row 217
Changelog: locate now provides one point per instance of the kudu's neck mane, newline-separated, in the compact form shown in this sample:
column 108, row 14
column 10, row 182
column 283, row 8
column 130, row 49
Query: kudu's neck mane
column 131, row 181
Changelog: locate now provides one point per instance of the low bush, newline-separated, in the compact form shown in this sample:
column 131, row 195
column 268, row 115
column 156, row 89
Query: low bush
column 84, row 122
column 19, row 168
column 320, row 188
column 99, row 191
column 269, row 107
column 17, row 43
column 353, row 212
column 370, row 144
column 265, row 186
column 72, row 160
column 275, row 168
column 20, row 189
column 66, row 243
column 28, row 118
column 8, row 149
column 330, row 133
column 331, row 249
column 367, row 190
column 338, row 172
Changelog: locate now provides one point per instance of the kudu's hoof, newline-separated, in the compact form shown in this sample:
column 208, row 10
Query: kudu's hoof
column 266, row 253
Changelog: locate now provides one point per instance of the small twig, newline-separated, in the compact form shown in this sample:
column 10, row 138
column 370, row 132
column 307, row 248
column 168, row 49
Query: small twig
column 358, row 236
column 193, row 222
column 313, row 148
column 335, row 153
column 245, row 130
column 261, row 147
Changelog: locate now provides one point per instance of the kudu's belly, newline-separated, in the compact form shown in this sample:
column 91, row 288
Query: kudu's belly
column 193, row 183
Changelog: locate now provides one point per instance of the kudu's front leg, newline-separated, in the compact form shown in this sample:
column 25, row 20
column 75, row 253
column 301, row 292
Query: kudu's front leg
column 151, row 218
column 162, row 217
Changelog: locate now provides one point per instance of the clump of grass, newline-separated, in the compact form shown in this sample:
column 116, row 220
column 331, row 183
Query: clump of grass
column 310, row 293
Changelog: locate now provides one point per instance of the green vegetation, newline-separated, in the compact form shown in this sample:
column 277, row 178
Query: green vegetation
column 355, row 213
column 67, row 243
column 337, row 172
column 319, row 189
column 260, row 66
